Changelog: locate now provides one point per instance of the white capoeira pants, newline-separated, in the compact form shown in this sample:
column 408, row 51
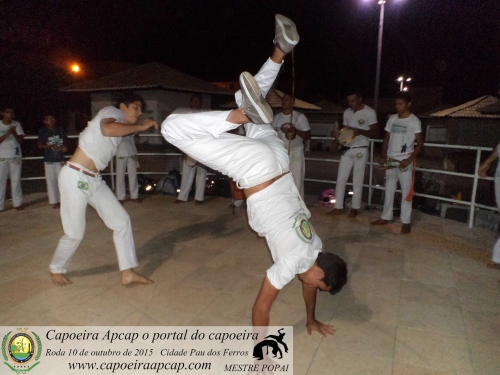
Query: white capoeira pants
column 52, row 171
column 298, row 168
column 77, row 190
column 496, row 250
column 128, row 163
column 250, row 160
column 11, row 167
column 391, row 179
column 276, row 212
column 355, row 159
column 188, row 174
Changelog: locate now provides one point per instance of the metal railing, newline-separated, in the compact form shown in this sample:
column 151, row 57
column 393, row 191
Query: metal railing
column 475, row 176
column 371, row 186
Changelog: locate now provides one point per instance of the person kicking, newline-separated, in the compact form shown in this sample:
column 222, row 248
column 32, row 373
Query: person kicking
column 259, row 164
column 81, row 184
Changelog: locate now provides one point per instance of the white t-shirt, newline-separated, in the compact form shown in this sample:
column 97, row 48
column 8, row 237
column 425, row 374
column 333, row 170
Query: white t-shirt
column 402, row 138
column 278, row 213
column 299, row 121
column 96, row 146
column 126, row 147
column 10, row 148
column 361, row 119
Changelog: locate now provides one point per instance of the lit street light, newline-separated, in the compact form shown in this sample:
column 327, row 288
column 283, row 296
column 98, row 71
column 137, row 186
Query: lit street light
column 379, row 52
column 75, row 68
column 402, row 81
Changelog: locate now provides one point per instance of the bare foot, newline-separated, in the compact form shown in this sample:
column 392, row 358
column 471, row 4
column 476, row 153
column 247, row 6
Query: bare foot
column 131, row 277
column 60, row 279
column 495, row 265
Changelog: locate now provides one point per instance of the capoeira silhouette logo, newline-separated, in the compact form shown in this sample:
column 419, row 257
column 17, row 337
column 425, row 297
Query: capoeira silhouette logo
column 272, row 341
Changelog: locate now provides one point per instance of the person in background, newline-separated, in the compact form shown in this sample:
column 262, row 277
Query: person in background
column 11, row 137
column 190, row 171
column 52, row 139
column 299, row 131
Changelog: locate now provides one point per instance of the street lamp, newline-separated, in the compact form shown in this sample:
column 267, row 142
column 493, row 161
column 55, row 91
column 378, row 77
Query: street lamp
column 402, row 81
column 75, row 68
column 379, row 53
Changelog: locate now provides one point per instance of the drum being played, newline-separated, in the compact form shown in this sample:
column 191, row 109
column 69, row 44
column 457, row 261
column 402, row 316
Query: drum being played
column 190, row 162
column 346, row 136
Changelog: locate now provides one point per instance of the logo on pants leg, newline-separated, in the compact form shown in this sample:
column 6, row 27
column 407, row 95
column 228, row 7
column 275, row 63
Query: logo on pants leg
column 359, row 155
column 83, row 185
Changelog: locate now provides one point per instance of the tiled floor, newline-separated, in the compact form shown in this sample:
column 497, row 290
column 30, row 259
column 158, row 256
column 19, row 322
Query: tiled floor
column 418, row 304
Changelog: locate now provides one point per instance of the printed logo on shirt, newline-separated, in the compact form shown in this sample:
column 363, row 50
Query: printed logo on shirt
column 398, row 128
column 361, row 121
column 303, row 228
column 83, row 185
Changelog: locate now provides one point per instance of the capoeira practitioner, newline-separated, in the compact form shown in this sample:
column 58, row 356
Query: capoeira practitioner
column 363, row 120
column 11, row 137
column 303, row 133
column 483, row 169
column 259, row 164
column 80, row 184
column 190, row 171
column 126, row 160
column 402, row 130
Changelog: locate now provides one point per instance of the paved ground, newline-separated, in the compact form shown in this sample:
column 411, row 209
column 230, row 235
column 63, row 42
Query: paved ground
column 418, row 304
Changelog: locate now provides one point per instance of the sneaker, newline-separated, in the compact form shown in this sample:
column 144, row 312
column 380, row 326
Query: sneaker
column 253, row 104
column 286, row 36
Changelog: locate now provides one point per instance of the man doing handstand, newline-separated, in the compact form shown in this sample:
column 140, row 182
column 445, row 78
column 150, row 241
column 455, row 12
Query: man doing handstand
column 259, row 164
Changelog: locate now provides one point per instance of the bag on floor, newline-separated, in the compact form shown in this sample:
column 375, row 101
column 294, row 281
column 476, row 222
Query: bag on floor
column 170, row 184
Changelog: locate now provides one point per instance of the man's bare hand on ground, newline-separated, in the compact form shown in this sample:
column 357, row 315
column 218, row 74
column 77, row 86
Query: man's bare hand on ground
column 323, row 329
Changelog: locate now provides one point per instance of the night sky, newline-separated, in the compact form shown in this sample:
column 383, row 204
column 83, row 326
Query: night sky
column 449, row 43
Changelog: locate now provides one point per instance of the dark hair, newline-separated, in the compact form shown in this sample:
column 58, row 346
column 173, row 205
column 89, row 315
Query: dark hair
column 335, row 270
column 45, row 114
column 130, row 97
column 6, row 106
column 197, row 96
column 404, row 95
column 354, row 91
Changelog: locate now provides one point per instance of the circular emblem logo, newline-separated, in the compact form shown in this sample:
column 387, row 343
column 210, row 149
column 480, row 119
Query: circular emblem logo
column 361, row 121
column 305, row 229
column 21, row 348
column 359, row 155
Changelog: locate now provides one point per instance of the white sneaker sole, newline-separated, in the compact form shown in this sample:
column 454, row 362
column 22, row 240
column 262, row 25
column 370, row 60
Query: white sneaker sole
column 251, row 88
column 290, row 35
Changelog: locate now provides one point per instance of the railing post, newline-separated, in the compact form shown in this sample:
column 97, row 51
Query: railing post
column 474, row 189
column 112, row 170
column 370, row 187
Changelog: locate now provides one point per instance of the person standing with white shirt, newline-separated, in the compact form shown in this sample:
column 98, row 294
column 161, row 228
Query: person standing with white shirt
column 11, row 137
column 300, row 131
column 402, row 131
column 126, row 160
column 189, row 172
column 81, row 184
column 363, row 120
